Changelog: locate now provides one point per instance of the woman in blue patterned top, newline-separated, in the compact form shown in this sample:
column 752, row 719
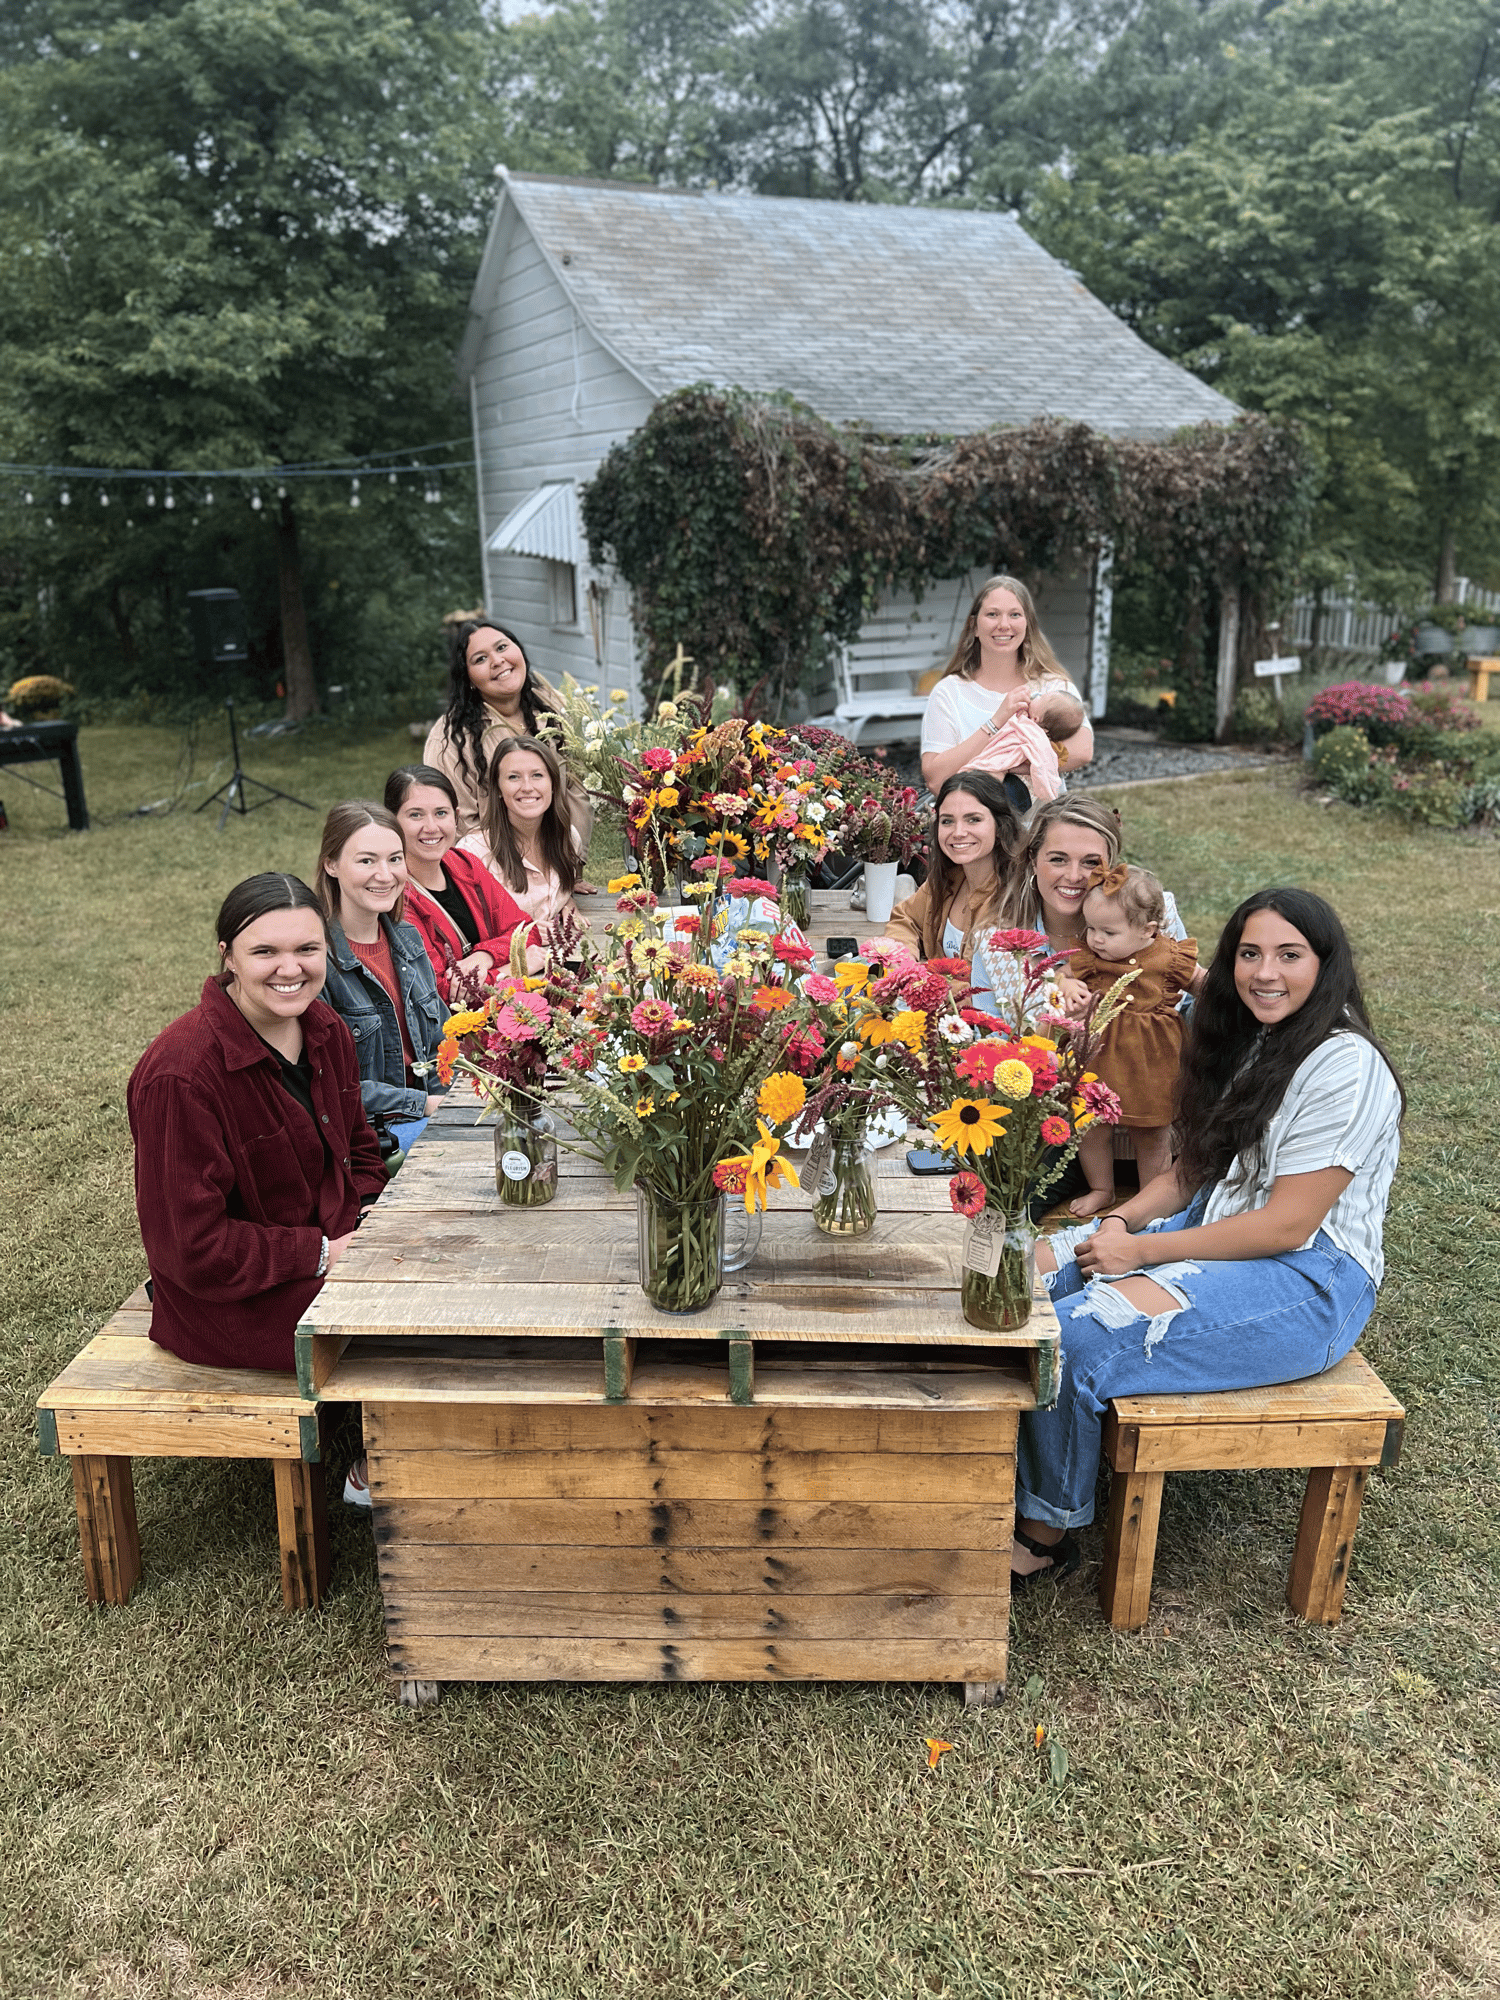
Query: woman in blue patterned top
column 1257, row 1257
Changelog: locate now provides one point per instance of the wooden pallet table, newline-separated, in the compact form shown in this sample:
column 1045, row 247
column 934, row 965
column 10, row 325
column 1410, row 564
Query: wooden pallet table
column 812, row 1479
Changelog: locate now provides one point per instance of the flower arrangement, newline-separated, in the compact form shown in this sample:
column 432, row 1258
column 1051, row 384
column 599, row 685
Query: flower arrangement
column 38, row 696
column 887, row 825
column 499, row 1045
column 1381, row 712
column 1012, row 1107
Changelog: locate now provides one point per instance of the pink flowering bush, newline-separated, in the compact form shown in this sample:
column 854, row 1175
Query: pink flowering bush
column 1381, row 712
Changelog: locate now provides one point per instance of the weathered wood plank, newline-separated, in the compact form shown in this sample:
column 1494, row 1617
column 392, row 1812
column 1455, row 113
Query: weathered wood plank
column 136, row 1432
column 687, row 1475
column 302, row 1530
column 761, row 1429
column 410, row 1568
column 657, row 1525
column 1350, row 1389
column 479, row 1659
column 117, row 1371
column 108, row 1538
column 370, row 1372
column 1130, row 1548
column 544, row 1615
column 865, row 1314
column 1325, row 1541
column 1204, row 1447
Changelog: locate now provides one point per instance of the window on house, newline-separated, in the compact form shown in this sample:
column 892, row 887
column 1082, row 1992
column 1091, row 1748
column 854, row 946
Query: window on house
column 563, row 577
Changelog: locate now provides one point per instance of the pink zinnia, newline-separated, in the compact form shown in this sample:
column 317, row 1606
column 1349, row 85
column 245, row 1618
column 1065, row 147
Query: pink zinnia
column 751, row 886
column 1102, row 1101
column 658, row 760
column 523, row 1018
column 1019, row 941
column 1055, row 1132
column 819, row 987
column 651, row 1018
column 790, row 952
column 966, row 1192
column 924, row 991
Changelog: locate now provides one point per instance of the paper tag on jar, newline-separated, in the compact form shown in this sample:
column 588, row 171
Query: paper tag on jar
column 982, row 1243
column 515, row 1166
column 819, row 1159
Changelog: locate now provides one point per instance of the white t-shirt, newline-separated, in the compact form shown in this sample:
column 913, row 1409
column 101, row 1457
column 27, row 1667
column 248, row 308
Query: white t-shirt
column 1340, row 1110
column 956, row 708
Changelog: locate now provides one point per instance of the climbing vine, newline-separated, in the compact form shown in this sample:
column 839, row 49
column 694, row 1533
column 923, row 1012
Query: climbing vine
column 758, row 535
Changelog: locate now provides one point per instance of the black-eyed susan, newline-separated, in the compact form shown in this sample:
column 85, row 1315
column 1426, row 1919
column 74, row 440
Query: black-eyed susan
column 969, row 1125
column 628, row 1065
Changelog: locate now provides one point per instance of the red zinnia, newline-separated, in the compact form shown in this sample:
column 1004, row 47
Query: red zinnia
column 1055, row 1132
column 966, row 1192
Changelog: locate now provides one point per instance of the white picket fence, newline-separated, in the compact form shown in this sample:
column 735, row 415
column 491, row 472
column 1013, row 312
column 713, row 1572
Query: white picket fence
column 1355, row 625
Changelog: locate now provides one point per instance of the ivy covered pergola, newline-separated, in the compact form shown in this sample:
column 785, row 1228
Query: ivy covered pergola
column 758, row 535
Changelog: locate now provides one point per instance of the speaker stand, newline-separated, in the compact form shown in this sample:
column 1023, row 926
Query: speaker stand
column 233, row 794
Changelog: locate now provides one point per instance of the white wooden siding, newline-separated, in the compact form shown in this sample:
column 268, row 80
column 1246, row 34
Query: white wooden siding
column 549, row 401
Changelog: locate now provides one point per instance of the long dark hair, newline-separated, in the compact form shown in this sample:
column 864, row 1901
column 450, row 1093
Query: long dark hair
column 1228, row 1089
column 257, row 896
column 465, row 715
column 946, row 877
column 555, row 836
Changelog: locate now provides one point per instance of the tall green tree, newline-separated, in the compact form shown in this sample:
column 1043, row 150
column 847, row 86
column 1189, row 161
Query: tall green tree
column 232, row 232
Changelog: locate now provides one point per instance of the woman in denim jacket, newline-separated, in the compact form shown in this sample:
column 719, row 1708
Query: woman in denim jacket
column 379, row 976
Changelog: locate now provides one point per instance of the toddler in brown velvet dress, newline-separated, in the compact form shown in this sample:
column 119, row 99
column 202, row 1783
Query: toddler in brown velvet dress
column 1142, row 1047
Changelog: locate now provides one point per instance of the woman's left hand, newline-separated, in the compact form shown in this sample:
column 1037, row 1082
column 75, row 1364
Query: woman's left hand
column 1110, row 1252
column 476, row 965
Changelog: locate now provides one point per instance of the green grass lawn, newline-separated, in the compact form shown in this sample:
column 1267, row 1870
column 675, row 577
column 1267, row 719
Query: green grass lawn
column 201, row 1795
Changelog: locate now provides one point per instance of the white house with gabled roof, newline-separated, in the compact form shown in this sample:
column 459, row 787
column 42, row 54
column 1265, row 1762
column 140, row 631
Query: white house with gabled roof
column 594, row 299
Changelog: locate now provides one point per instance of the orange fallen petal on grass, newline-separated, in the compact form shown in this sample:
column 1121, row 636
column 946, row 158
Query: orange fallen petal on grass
column 935, row 1748
column 1040, row 1736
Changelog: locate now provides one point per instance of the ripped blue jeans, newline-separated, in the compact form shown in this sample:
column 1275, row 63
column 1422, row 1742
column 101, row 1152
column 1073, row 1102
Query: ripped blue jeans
column 1236, row 1326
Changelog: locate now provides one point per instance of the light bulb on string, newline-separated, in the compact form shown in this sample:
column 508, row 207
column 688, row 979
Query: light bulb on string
column 65, row 498
column 27, row 497
column 353, row 492
column 281, row 493
column 208, row 496
column 150, row 496
column 103, row 497
column 391, row 480
column 255, row 500
column 170, row 501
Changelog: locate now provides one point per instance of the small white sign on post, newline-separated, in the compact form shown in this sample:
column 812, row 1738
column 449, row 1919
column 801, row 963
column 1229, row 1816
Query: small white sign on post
column 1272, row 670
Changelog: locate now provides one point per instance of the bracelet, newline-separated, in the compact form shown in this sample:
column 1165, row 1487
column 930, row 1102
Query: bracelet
column 990, row 726
column 1115, row 1216
column 322, row 1270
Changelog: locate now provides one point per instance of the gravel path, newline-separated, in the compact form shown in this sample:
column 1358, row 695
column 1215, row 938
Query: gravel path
column 1127, row 757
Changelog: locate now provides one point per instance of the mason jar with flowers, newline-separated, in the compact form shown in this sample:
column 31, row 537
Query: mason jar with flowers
column 499, row 1046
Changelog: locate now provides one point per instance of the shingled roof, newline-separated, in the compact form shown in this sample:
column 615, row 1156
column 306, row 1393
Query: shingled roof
column 900, row 319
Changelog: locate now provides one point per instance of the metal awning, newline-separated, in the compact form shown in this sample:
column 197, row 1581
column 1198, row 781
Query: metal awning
column 545, row 524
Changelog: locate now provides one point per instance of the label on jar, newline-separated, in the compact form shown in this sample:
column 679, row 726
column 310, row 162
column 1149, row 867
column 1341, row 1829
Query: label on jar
column 828, row 1185
column 515, row 1166
column 982, row 1243
column 819, row 1161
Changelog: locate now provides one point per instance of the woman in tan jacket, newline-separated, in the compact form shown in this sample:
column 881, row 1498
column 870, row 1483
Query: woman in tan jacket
column 978, row 839
column 493, row 692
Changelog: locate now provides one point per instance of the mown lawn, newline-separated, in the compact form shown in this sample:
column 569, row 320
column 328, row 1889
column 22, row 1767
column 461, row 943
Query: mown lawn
column 200, row 1795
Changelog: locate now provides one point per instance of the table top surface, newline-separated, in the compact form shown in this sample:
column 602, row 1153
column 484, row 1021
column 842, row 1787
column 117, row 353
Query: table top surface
column 441, row 1256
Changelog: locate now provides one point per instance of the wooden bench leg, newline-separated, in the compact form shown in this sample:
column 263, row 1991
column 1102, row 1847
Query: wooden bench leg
column 104, row 1494
column 1130, row 1548
column 302, row 1528
column 1325, row 1537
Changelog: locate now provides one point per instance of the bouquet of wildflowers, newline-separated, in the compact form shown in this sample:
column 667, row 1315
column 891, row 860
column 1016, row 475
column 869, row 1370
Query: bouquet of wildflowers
column 696, row 798
column 797, row 813
column 1011, row 1107
column 497, row 1043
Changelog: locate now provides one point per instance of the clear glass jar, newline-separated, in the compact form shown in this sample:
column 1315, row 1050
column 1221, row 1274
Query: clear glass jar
column 796, row 888
column 844, row 1200
column 687, row 1247
column 525, row 1154
column 999, row 1274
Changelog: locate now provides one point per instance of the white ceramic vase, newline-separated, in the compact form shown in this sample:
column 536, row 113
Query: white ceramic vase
column 880, row 890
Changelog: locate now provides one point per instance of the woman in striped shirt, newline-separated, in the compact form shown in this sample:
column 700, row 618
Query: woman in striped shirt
column 1256, row 1258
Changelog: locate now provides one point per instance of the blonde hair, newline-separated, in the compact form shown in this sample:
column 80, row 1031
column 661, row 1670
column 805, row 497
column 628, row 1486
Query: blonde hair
column 1140, row 896
column 1037, row 659
column 1022, row 906
column 340, row 827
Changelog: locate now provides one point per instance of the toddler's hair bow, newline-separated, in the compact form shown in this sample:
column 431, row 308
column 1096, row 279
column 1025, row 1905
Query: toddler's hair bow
column 1110, row 880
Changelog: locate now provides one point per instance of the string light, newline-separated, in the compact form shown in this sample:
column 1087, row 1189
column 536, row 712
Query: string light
column 353, row 492
column 255, row 501
column 103, row 498
column 65, row 498
column 171, row 500
column 150, row 496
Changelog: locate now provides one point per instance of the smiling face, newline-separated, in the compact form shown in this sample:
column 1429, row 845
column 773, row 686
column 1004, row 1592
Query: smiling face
column 1067, row 857
column 525, row 787
column 428, row 827
column 1001, row 623
column 1275, row 968
column 370, row 869
column 965, row 829
column 1109, row 932
column 277, row 966
column 497, row 667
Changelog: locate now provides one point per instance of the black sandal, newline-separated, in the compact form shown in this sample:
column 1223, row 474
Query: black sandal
column 1065, row 1557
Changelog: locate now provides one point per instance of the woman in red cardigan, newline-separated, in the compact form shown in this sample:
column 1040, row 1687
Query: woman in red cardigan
column 254, row 1159
column 465, row 916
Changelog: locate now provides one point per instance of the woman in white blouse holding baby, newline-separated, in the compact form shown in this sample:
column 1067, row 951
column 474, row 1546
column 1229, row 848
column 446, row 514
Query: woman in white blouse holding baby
column 1004, row 704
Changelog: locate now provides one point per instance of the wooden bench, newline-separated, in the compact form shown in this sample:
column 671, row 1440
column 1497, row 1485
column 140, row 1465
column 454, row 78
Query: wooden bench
column 1480, row 671
column 125, row 1398
column 1339, row 1425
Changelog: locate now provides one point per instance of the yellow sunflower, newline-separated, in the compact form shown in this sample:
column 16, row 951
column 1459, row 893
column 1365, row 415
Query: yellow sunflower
column 969, row 1125
column 781, row 1097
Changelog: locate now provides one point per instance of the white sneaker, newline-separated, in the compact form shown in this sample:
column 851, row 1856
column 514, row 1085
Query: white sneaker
column 357, row 1485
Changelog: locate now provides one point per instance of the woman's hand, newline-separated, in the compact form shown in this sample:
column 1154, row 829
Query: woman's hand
column 476, row 965
column 432, row 1105
column 1110, row 1252
column 1017, row 702
column 337, row 1245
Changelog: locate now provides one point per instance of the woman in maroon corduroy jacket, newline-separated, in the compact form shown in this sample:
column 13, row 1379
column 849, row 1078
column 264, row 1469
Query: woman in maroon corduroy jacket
column 253, row 1155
